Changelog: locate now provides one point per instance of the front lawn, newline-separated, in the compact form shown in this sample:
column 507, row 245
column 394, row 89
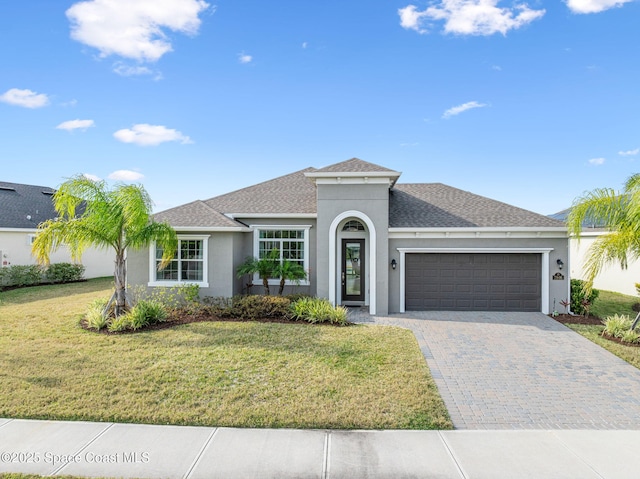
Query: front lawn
column 609, row 303
column 239, row 374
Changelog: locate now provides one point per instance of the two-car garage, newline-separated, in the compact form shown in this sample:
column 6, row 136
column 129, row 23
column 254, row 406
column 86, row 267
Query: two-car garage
column 495, row 281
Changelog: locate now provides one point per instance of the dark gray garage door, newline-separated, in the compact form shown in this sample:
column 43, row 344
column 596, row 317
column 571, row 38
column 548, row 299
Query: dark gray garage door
column 474, row 281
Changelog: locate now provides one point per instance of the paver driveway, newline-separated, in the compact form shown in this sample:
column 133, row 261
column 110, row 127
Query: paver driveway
column 523, row 371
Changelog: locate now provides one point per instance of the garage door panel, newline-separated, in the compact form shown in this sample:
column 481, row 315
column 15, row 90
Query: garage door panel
column 482, row 281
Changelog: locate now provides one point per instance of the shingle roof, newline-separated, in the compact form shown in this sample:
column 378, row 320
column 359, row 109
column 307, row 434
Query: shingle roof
column 354, row 165
column 423, row 205
column 18, row 201
column 434, row 205
column 196, row 214
column 289, row 194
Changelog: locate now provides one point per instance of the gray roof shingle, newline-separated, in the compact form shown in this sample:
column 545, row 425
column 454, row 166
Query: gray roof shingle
column 422, row 205
column 289, row 194
column 434, row 205
column 354, row 165
column 197, row 215
column 18, row 202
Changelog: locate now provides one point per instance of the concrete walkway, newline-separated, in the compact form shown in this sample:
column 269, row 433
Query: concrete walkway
column 522, row 371
column 142, row 451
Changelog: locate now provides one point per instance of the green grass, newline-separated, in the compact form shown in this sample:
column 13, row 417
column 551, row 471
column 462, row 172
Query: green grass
column 630, row 354
column 609, row 303
column 238, row 374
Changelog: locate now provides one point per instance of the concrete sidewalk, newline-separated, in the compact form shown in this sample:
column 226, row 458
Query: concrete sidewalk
column 144, row 451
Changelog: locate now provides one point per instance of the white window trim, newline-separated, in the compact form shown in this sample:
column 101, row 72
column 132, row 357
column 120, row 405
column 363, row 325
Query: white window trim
column 205, row 264
column 544, row 293
column 256, row 251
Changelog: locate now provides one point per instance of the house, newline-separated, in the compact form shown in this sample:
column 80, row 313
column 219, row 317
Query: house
column 22, row 209
column 366, row 239
column 612, row 277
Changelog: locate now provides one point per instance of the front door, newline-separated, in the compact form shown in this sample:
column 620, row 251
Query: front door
column 353, row 273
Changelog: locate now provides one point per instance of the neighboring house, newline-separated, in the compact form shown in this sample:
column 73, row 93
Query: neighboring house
column 612, row 277
column 365, row 239
column 22, row 209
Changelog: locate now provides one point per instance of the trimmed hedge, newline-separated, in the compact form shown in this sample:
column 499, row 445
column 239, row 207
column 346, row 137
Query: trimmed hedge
column 29, row 275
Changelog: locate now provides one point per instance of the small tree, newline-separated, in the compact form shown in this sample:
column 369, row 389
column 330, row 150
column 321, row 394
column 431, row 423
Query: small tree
column 289, row 271
column 91, row 214
column 265, row 268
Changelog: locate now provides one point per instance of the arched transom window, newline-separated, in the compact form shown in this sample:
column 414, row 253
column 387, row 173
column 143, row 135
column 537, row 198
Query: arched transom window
column 353, row 225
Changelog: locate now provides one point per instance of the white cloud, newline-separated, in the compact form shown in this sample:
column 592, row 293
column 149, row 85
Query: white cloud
column 497, row 68
column 125, row 175
column 128, row 70
column 629, row 152
column 150, row 135
column 469, row 17
column 597, row 161
column 75, row 125
column 594, row 6
column 305, row 44
column 25, row 98
column 91, row 177
column 456, row 110
column 410, row 18
column 133, row 29
column 244, row 58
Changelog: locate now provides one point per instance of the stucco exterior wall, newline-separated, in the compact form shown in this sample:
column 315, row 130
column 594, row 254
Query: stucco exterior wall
column 371, row 200
column 15, row 249
column 558, row 289
column 611, row 278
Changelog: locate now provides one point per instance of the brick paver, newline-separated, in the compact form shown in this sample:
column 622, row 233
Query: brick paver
column 522, row 371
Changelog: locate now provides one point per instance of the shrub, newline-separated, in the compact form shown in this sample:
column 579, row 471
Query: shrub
column 318, row 310
column 617, row 325
column 257, row 307
column 581, row 302
column 171, row 298
column 94, row 317
column 64, row 272
column 630, row 336
column 23, row 275
column 121, row 323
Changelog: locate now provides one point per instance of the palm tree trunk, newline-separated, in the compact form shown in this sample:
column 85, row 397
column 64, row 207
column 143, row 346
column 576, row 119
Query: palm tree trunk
column 265, row 283
column 281, row 290
column 120, row 279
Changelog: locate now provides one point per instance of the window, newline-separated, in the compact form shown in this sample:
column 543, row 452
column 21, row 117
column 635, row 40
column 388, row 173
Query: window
column 292, row 243
column 189, row 263
column 353, row 225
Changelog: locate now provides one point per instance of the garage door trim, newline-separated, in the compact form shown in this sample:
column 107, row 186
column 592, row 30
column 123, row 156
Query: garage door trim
column 544, row 287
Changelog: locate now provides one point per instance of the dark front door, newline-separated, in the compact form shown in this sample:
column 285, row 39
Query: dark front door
column 352, row 270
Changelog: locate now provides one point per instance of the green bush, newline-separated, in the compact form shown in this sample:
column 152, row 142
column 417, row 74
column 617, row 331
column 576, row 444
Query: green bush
column 171, row 297
column 619, row 326
column 318, row 310
column 24, row 275
column 580, row 302
column 64, row 272
column 94, row 317
column 253, row 307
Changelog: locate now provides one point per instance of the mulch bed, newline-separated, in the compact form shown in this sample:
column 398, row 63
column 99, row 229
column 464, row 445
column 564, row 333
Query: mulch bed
column 619, row 341
column 576, row 319
column 174, row 320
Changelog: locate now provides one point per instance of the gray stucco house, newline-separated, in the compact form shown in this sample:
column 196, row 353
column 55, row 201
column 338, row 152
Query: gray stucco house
column 366, row 239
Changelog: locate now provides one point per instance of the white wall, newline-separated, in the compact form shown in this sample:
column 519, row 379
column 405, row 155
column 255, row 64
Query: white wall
column 612, row 278
column 15, row 247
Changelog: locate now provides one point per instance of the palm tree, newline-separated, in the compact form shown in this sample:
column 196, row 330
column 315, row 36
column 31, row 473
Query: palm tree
column 289, row 271
column 265, row 268
column 619, row 213
column 91, row 214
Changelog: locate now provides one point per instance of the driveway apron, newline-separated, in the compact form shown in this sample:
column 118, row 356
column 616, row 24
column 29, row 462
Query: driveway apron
column 522, row 371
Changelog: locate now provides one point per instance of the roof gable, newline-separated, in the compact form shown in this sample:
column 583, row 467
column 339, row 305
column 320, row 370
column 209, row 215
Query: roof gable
column 195, row 215
column 25, row 206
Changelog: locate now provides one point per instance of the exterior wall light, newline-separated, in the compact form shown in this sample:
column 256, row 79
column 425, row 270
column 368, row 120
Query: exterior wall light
column 559, row 263
column 394, row 263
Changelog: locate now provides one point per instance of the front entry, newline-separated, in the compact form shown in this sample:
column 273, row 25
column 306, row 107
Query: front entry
column 353, row 270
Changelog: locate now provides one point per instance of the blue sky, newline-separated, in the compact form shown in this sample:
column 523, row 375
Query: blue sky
column 528, row 103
